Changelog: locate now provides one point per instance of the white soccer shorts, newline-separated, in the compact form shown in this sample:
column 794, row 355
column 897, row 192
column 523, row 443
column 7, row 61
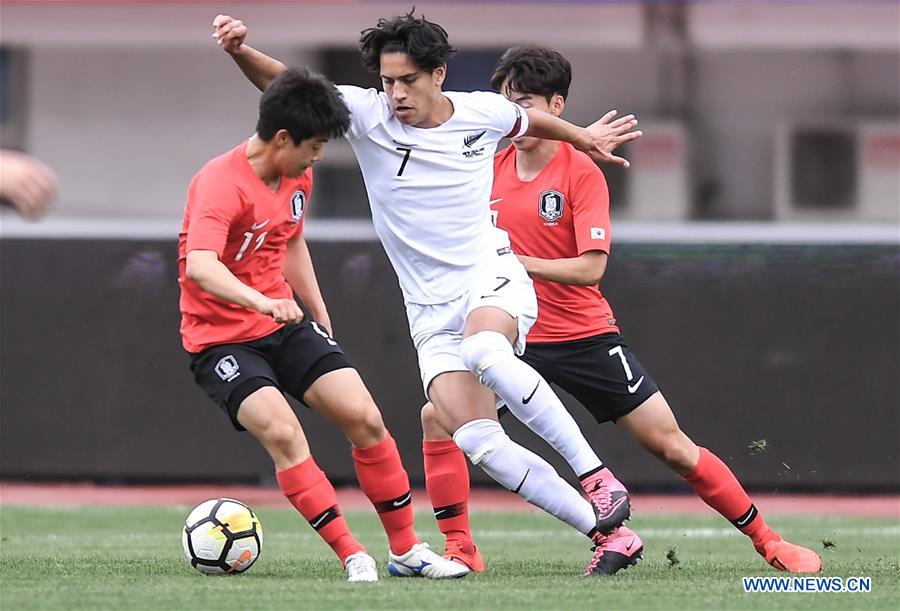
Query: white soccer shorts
column 437, row 329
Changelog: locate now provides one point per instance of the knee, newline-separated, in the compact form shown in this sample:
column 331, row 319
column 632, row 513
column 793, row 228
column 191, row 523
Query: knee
column 676, row 450
column 366, row 428
column 480, row 439
column 284, row 438
column 483, row 349
column 429, row 416
column 431, row 424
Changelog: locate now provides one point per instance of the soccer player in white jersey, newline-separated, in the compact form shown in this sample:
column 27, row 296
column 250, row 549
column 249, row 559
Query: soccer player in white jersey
column 426, row 158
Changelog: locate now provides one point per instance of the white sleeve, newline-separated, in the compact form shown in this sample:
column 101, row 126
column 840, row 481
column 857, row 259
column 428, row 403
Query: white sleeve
column 367, row 109
column 511, row 119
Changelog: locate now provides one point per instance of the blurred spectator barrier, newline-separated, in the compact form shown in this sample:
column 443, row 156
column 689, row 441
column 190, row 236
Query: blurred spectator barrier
column 754, row 332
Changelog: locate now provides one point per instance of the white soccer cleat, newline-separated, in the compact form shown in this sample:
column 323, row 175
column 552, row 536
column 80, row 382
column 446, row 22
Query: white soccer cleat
column 420, row 561
column 361, row 567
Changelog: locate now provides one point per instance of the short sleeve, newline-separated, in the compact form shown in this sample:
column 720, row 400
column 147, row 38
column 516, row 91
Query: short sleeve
column 368, row 107
column 590, row 210
column 213, row 206
column 511, row 119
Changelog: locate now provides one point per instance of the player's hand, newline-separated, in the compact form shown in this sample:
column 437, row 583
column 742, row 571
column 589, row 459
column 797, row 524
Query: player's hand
column 283, row 310
column 229, row 33
column 607, row 135
column 27, row 183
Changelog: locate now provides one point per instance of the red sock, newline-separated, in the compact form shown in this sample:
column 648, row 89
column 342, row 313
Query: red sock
column 307, row 488
column 384, row 480
column 447, row 483
column 714, row 482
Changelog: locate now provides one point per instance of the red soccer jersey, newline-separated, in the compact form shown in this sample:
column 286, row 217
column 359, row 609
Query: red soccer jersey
column 232, row 212
column 562, row 213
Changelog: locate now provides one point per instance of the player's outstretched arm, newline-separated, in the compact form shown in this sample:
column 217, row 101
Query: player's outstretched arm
column 598, row 140
column 230, row 34
column 300, row 274
column 204, row 269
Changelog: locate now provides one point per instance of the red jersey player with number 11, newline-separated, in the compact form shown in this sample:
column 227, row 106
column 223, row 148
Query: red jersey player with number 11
column 241, row 254
column 553, row 202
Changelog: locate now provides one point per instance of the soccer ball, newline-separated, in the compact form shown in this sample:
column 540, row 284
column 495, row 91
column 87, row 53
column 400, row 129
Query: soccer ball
column 222, row 536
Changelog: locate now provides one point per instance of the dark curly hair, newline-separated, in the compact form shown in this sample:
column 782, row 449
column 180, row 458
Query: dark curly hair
column 425, row 42
column 536, row 70
column 304, row 103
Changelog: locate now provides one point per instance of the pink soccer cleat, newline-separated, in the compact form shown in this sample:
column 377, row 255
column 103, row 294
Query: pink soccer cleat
column 609, row 498
column 614, row 552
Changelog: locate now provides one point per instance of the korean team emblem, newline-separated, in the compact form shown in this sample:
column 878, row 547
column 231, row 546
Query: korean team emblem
column 298, row 204
column 228, row 368
column 550, row 205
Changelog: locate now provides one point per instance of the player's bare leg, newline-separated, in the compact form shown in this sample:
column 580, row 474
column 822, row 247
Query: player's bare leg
column 653, row 425
column 342, row 398
column 269, row 418
column 487, row 350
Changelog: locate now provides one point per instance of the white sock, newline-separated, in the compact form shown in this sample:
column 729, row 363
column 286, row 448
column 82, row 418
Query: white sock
column 490, row 357
column 525, row 473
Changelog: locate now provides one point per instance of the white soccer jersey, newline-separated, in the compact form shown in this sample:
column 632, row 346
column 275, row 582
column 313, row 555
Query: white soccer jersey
column 429, row 189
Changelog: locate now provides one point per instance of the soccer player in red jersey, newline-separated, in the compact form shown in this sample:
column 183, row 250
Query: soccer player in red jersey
column 553, row 202
column 241, row 256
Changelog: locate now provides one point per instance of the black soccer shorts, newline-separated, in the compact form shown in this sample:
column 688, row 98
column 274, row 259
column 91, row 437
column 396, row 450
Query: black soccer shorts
column 291, row 359
column 600, row 371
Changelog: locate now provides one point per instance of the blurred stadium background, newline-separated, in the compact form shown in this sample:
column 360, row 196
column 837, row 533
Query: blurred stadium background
column 757, row 261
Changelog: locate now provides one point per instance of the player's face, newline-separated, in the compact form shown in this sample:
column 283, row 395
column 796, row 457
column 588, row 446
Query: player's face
column 413, row 92
column 295, row 159
column 535, row 101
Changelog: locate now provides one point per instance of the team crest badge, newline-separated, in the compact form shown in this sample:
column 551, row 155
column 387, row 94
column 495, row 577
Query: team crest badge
column 228, row 368
column 470, row 139
column 298, row 204
column 550, row 205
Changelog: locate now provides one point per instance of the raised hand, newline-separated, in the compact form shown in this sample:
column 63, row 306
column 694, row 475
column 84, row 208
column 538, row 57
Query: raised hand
column 229, row 32
column 608, row 134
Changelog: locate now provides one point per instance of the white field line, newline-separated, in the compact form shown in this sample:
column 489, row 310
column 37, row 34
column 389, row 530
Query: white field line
column 113, row 540
column 688, row 533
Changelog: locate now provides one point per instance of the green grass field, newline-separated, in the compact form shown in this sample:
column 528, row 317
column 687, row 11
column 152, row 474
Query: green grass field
column 130, row 558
